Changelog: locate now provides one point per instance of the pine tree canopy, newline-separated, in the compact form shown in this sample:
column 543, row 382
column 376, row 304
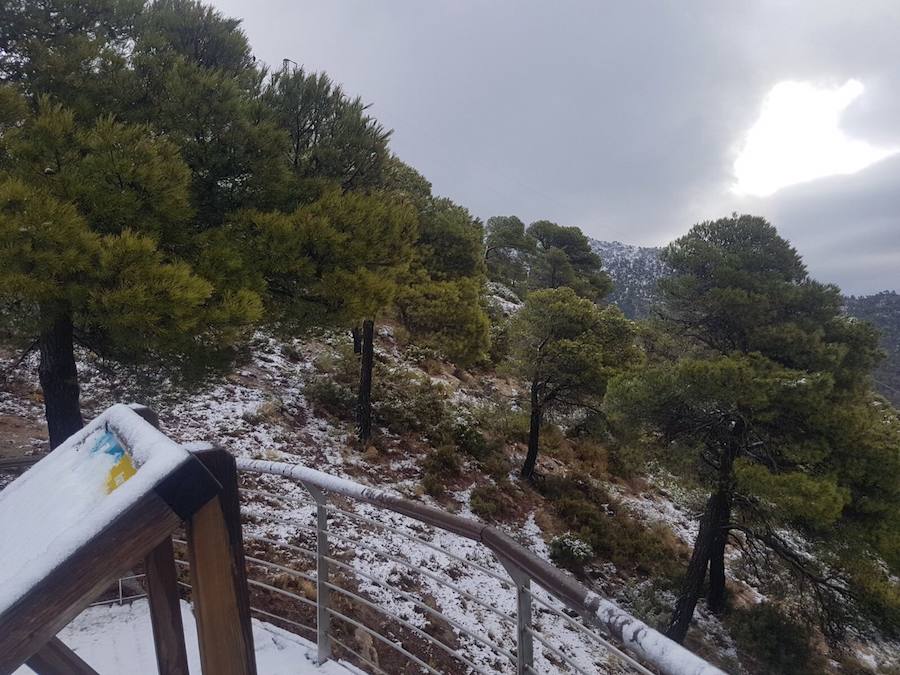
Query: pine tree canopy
column 570, row 346
column 565, row 258
column 771, row 393
column 543, row 255
column 93, row 230
column 403, row 180
column 336, row 261
column 331, row 136
column 568, row 349
column 737, row 286
column 441, row 301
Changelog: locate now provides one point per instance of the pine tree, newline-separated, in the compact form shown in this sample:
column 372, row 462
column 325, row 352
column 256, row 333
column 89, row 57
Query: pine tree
column 91, row 230
column 338, row 261
column 771, row 392
column 74, row 52
column 507, row 251
column 568, row 348
column 332, row 138
column 564, row 258
column 543, row 255
column 441, row 301
column 198, row 83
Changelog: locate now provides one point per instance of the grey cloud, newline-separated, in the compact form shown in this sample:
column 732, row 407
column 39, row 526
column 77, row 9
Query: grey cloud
column 622, row 118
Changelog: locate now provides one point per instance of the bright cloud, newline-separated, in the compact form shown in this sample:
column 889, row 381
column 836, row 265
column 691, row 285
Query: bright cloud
column 797, row 138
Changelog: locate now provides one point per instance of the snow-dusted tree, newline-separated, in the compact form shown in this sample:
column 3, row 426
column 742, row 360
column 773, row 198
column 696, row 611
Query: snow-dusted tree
column 771, row 393
column 567, row 348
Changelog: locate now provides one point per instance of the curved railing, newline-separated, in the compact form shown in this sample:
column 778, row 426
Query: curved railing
column 575, row 629
column 371, row 577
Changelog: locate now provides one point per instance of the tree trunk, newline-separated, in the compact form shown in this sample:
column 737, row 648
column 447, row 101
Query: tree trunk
column 696, row 572
column 357, row 340
column 58, row 375
column 534, row 431
column 715, row 597
column 709, row 547
column 364, row 398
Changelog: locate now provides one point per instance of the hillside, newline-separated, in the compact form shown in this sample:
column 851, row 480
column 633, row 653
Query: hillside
column 883, row 311
column 289, row 402
column 634, row 271
column 237, row 245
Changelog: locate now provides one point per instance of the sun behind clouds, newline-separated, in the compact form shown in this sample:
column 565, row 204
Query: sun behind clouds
column 798, row 138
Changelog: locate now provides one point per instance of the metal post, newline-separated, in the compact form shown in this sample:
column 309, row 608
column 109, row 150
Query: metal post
column 323, row 618
column 524, row 639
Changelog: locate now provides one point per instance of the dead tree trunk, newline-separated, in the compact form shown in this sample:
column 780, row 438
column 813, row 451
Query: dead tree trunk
column 364, row 397
column 58, row 376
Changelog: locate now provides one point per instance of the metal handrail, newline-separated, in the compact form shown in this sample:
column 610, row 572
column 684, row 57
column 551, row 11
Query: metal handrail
column 584, row 630
column 524, row 566
column 371, row 521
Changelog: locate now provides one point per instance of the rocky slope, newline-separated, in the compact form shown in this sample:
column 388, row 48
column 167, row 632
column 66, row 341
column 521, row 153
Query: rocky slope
column 282, row 404
column 635, row 271
column 883, row 310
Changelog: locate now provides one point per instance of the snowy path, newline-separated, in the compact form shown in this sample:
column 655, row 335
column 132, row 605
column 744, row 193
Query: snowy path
column 118, row 639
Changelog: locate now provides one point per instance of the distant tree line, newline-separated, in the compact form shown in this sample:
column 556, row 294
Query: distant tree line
column 882, row 310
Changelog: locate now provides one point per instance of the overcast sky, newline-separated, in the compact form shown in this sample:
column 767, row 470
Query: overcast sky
column 626, row 118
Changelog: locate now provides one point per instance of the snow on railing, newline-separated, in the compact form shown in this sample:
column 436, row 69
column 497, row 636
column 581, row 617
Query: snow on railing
column 559, row 597
column 601, row 618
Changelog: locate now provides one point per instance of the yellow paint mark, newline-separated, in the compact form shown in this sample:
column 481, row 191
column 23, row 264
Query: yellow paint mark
column 121, row 471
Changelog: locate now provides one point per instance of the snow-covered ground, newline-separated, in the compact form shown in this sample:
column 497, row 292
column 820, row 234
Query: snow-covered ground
column 118, row 640
column 261, row 412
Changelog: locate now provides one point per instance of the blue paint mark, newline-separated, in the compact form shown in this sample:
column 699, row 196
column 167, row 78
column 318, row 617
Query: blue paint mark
column 109, row 444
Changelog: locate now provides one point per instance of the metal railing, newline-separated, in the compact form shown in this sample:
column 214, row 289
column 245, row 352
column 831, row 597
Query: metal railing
column 546, row 603
column 342, row 540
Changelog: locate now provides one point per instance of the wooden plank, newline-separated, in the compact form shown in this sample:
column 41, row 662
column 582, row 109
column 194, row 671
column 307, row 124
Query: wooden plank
column 57, row 659
column 58, row 598
column 20, row 463
column 218, row 576
column 165, row 610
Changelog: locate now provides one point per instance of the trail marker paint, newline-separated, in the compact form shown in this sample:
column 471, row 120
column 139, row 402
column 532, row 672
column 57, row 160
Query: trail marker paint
column 123, row 469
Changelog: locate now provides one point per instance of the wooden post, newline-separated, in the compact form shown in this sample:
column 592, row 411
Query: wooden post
column 165, row 610
column 57, row 659
column 163, row 596
column 218, row 575
column 54, row 601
